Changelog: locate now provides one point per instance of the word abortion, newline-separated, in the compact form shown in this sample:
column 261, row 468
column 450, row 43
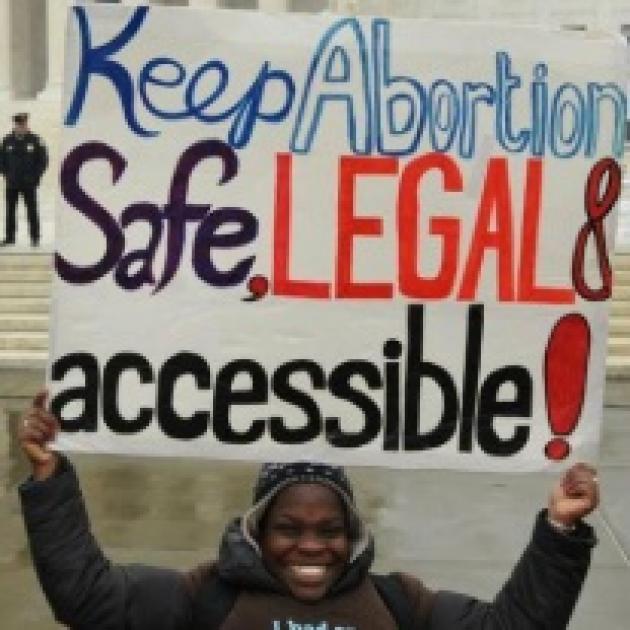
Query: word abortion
column 386, row 112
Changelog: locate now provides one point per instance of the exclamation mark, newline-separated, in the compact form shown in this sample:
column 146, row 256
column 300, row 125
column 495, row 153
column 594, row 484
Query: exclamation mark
column 566, row 367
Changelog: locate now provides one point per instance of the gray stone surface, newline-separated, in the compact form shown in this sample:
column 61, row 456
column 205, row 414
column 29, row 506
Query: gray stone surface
column 459, row 531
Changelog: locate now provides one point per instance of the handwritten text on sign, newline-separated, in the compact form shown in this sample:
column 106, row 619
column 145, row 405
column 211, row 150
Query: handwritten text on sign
column 286, row 236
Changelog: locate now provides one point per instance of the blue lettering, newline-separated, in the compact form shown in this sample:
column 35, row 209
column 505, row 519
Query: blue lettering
column 96, row 61
column 249, row 108
column 384, row 112
column 197, row 108
column 612, row 93
column 506, row 82
column 539, row 105
column 333, row 66
column 472, row 95
column 445, row 114
column 567, row 121
column 400, row 101
column 148, row 76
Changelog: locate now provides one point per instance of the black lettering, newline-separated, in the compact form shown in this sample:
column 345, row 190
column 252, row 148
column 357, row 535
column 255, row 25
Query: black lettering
column 87, row 393
column 392, row 350
column 490, row 408
column 417, row 369
column 170, row 421
column 474, row 338
column 340, row 386
column 284, row 390
column 225, row 396
column 111, row 378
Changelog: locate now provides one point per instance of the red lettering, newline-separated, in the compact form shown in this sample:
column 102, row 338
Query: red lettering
column 412, row 284
column 282, row 283
column 495, row 206
column 350, row 225
column 528, row 290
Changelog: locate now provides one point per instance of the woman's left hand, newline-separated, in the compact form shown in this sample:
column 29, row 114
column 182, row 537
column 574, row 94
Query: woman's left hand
column 576, row 495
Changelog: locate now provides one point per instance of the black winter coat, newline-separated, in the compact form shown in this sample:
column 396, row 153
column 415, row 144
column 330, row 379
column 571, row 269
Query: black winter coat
column 23, row 160
column 87, row 592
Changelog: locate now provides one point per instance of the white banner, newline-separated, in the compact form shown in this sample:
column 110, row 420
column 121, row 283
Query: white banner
column 357, row 240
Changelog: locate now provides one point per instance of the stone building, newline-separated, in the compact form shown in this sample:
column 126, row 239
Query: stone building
column 31, row 50
column 31, row 68
column 31, row 53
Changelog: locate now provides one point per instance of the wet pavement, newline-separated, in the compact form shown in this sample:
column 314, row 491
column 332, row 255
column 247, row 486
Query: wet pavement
column 459, row 531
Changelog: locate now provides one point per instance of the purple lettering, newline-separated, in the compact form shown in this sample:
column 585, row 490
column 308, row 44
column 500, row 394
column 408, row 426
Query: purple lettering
column 92, row 210
column 134, row 269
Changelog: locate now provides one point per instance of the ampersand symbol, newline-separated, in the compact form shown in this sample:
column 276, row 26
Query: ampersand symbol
column 597, row 204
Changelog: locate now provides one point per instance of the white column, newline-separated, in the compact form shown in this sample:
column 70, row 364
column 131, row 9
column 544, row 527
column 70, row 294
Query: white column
column 56, row 11
column 350, row 7
column 273, row 6
column 203, row 4
column 5, row 50
column 543, row 12
column 604, row 18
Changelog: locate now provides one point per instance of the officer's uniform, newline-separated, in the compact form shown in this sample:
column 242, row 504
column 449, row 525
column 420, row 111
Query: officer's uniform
column 23, row 160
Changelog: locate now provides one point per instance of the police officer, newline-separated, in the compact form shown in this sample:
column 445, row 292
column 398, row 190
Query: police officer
column 23, row 160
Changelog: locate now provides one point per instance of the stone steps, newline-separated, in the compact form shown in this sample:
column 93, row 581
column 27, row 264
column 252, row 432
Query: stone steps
column 25, row 285
column 25, row 275
column 24, row 289
column 20, row 322
column 24, row 305
column 621, row 262
column 13, row 341
column 621, row 293
column 618, row 367
column 617, row 392
column 25, row 261
column 619, row 326
column 620, row 308
column 619, row 346
column 33, row 360
column 22, row 277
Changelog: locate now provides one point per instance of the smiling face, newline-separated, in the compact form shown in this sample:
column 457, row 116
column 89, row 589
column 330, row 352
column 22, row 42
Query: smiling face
column 305, row 541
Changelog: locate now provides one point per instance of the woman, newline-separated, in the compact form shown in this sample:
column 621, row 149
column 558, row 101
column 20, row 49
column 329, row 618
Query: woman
column 298, row 559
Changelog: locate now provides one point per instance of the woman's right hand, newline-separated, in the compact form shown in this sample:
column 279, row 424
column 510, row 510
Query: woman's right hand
column 37, row 429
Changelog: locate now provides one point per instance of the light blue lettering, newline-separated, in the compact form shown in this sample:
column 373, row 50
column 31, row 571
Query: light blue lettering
column 566, row 129
column 473, row 95
column 400, row 109
column 385, row 112
column 506, row 83
column 539, row 105
column 596, row 94
column 445, row 114
column 340, row 60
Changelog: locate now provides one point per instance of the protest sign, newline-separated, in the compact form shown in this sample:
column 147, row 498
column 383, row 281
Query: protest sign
column 358, row 240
